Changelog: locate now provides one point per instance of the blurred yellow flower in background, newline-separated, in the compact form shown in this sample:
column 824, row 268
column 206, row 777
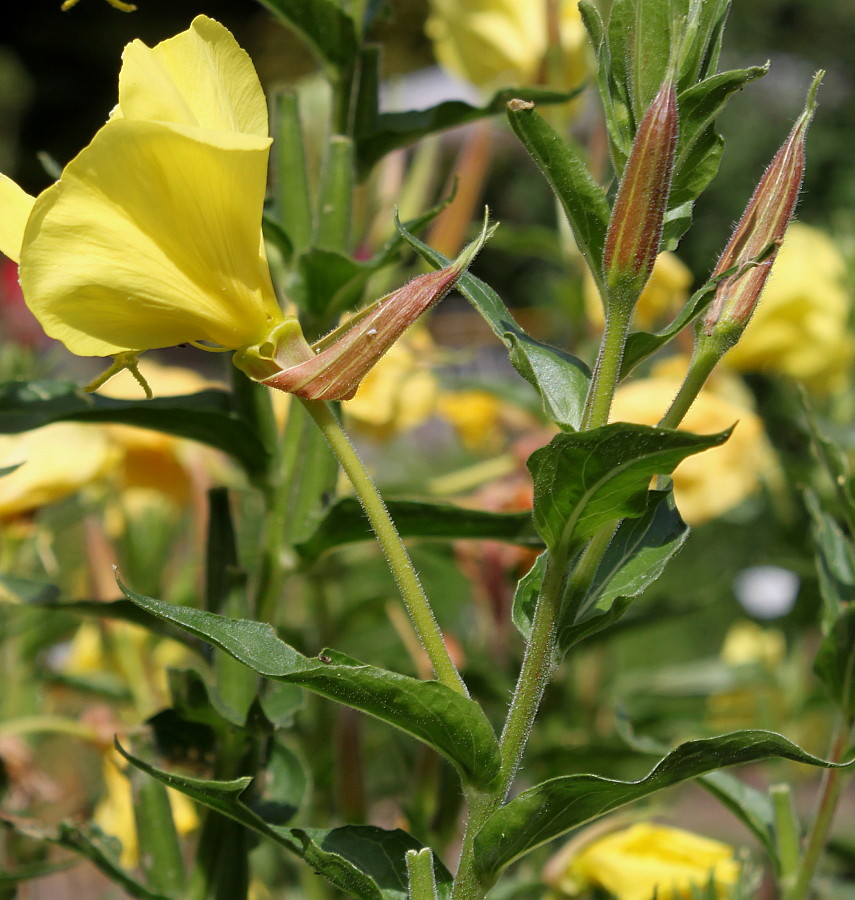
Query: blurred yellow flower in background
column 115, row 813
column 747, row 643
column 399, row 393
column 644, row 861
column 53, row 462
column 152, row 236
column 801, row 326
column 664, row 295
column 152, row 460
column 498, row 43
column 710, row 483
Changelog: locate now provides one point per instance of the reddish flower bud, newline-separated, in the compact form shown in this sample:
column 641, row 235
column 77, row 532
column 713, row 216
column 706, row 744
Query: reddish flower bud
column 635, row 227
column 346, row 355
column 754, row 245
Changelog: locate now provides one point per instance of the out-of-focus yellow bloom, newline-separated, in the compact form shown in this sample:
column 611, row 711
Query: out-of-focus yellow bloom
column 152, row 237
column 475, row 416
column 53, row 462
column 710, row 483
column 115, row 813
column 801, row 325
column 664, row 295
column 648, row 859
column 399, row 393
column 747, row 643
column 150, row 459
column 494, row 43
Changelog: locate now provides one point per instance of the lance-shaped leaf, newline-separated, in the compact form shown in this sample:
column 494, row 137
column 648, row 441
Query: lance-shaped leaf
column 584, row 481
column 560, row 379
column 365, row 862
column 547, row 811
column 636, row 557
column 344, row 523
column 207, row 417
column 430, row 712
column 385, row 132
column 564, row 167
column 835, row 561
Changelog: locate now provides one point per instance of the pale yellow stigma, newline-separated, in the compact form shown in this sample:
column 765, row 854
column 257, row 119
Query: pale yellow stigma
column 116, row 4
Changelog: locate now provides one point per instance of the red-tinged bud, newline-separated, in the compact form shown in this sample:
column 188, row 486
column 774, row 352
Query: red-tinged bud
column 635, row 227
column 346, row 355
column 754, row 245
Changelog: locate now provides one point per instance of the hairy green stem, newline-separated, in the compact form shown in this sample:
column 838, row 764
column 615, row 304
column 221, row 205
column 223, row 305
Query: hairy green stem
column 538, row 664
column 396, row 553
column 704, row 360
column 607, row 368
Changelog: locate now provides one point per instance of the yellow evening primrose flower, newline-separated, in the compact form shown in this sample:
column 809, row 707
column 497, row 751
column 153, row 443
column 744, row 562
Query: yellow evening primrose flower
column 44, row 475
column 648, row 860
column 152, row 236
column 664, row 295
column 708, row 484
column 496, row 43
column 801, row 325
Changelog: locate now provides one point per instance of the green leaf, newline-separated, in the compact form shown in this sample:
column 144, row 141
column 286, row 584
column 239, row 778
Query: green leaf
column 642, row 344
column 453, row 725
column 640, row 36
column 392, row 130
column 702, row 41
column 701, row 103
column 560, row 379
column 330, row 282
column 566, row 170
column 365, row 862
column 344, row 523
column 547, row 811
column 636, row 557
column 584, row 481
column 835, row 560
column 325, row 27
column 91, row 843
column 207, row 417
column 617, row 108
column 26, row 590
column 835, row 662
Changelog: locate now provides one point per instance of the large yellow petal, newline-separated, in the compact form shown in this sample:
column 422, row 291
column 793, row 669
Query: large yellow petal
column 15, row 208
column 151, row 239
column 199, row 77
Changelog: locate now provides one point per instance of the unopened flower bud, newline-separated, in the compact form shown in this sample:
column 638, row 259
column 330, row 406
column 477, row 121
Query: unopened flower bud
column 754, row 245
column 635, row 227
column 346, row 355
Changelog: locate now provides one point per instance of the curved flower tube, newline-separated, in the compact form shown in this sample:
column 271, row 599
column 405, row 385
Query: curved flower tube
column 152, row 236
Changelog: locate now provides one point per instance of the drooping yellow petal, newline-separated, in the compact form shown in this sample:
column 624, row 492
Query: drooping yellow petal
column 151, row 239
column 199, row 77
column 15, row 208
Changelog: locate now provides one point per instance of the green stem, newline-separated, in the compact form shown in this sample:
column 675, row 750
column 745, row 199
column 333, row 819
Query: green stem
column 786, row 836
column 829, row 794
column 538, row 664
column 420, row 875
column 396, row 553
column 704, row 360
column 607, row 369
